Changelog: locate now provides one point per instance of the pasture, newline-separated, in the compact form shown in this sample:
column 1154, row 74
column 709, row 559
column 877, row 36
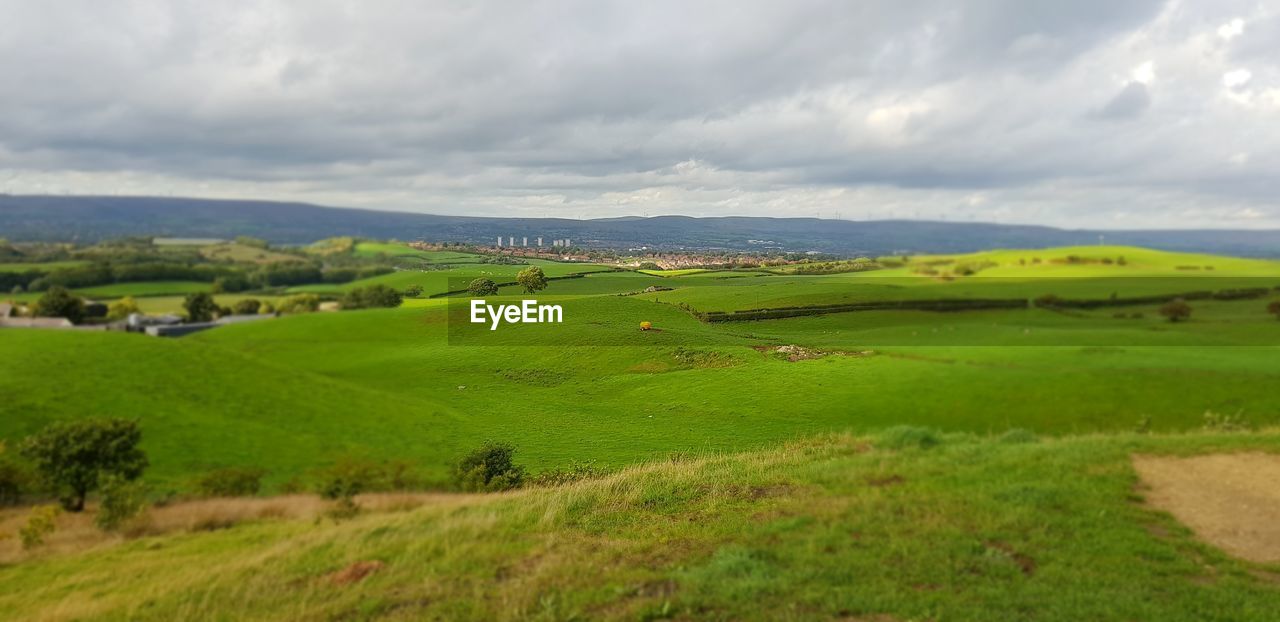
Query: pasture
column 419, row 383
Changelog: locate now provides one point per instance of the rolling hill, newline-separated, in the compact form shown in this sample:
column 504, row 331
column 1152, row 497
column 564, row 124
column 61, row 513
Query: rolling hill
column 88, row 218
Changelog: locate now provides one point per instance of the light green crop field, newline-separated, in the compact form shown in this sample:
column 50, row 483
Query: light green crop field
column 392, row 249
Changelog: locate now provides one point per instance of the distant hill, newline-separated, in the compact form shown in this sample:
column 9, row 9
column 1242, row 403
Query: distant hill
column 87, row 219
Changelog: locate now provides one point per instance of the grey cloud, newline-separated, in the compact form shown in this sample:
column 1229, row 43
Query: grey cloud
column 480, row 105
column 1130, row 102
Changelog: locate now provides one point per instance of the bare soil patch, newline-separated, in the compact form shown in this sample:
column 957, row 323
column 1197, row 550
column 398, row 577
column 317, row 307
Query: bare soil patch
column 1230, row 500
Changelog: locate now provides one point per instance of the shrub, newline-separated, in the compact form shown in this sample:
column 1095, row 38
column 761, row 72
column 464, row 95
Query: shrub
column 58, row 302
column 230, row 482
column 1018, row 436
column 42, row 522
column 122, row 500
column 349, row 477
column 413, row 291
column 122, row 309
column 200, row 307
column 299, row 303
column 489, row 468
column 372, row 297
column 74, row 456
column 909, row 436
column 576, row 471
column 248, row 306
column 483, row 287
column 1176, row 310
column 1048, row 300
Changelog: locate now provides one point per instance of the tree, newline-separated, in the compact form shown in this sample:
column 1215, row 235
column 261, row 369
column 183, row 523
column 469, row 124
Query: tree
column 489, row 467
column 75, row 456
column 1176, row 310
column 299, row 303
column 483, row 287
column 372, row 297
column 122, row 309
column 532, row 279
column 1274, row 309
column 413, row 291
column 200, row 307
column 248, row 306
column 58, row 302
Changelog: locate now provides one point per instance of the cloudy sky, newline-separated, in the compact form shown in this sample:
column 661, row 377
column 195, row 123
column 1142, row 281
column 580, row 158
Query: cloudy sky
column 1098, row 113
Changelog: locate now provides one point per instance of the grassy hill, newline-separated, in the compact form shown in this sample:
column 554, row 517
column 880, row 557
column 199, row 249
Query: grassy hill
column 903, row 525
column 292, row 394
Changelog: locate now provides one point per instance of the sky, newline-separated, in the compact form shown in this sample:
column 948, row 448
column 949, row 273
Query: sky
column 1090, row 113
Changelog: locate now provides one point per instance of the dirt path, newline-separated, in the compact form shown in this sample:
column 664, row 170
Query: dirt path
column 1230, row 500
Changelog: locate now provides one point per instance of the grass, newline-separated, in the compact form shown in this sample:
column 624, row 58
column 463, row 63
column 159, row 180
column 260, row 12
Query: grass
column 285, row 394
column 917, row 465
column 840, row 527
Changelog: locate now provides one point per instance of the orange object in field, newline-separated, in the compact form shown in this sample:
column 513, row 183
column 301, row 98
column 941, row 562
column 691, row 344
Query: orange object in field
column 645, row 325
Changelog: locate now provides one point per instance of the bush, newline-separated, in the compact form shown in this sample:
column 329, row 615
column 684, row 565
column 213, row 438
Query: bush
column 300, row 303
column 42, row 522
column 489, row 468
column 908, row 436
column 122, row 501
column 230, row 482
column 1176, row 310
column 248, row 306
column 122, row 309
column 58, row 302
column 372, row 297
column 200, row 307
column 413, row 291
column 483, row 287
column 350, row 476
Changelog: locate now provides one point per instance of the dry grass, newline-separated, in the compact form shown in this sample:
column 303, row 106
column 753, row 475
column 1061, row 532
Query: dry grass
column 77, row 533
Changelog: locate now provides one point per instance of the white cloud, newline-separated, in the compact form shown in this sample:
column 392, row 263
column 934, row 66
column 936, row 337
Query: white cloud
column 1144, row 73
column 1231, row 29
column 1236, row 78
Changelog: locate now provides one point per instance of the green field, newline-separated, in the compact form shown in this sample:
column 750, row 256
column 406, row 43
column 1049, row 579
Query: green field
column 616, row 395
column 421, row 384
column 852, row 528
